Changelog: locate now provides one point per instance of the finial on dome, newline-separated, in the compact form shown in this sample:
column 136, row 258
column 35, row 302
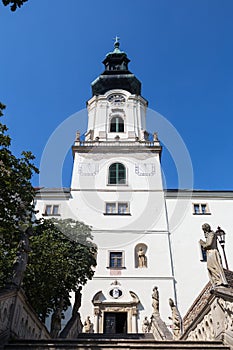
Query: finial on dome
column 116, row 44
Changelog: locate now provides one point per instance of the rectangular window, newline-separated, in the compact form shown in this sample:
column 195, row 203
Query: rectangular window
column 48, row 210
column 51, row 210
column 110, row 208
column 116, row 208
column 123, row 208
column 116, row 260
column 196, row 209
column 201, row 209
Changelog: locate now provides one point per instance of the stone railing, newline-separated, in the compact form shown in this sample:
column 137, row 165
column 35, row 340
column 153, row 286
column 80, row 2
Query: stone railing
column 115, row 143
column 211, row 318
column 73, row 328
column 197, row 307
column 159, row 329
column 204, row 330
column 17, row 318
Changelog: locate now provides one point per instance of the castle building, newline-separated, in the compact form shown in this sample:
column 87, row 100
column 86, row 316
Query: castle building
column 117, row 188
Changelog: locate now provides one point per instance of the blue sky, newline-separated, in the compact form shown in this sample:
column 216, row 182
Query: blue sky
column 182, row 51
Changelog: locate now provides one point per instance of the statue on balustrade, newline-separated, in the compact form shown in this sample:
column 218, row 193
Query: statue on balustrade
column 146, row 325
column 155, row 301
column 88, row 325
column 214, row 263
column 21, row 259
column 56, row 323
column 176, row 320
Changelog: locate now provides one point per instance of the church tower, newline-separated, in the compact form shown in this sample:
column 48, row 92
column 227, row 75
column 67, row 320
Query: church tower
column 117, row 189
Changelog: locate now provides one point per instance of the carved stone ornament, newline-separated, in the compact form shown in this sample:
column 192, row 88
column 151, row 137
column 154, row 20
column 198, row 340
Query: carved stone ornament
column 145, row 169
column 115, row 293
column 88, row 169
column 116, row 99
column 115, row 283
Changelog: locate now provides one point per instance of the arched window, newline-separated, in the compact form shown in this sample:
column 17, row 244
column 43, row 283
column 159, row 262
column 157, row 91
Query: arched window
column 117, row 174
column 117, row 124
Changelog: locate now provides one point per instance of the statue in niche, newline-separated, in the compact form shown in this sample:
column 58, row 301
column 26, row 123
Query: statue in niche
column 214, row 263
column 141, row 257
column 88, row 325
column 146, row 325
column 21, row 259
column 155, row 301
column 176, row 319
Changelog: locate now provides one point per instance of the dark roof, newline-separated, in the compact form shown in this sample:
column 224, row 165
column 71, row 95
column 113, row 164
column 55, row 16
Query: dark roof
column 116, row 74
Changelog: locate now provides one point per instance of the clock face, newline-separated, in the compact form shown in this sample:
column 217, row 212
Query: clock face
column 116, row 99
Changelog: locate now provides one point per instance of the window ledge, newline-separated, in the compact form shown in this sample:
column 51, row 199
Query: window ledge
column 116, row 268
column 51, row 214
column 201, row 213
column 117, row 185
column 117, row 214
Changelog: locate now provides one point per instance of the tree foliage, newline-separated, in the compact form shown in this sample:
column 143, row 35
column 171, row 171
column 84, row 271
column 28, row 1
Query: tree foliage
column 61, row 253
column 16, row 190
column 61, row 258
column 14, row 4
column 16, row 198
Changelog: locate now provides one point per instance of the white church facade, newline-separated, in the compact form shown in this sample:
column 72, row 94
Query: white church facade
column 117, row 189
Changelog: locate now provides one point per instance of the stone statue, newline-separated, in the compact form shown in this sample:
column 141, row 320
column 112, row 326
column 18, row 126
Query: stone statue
column 155, row 301
column 56, row 318
column 155, row 137
column 214, row 263
column 141, row 257
column 146, row 325
column 88, row 325
column 77, row 137
column 55, row 323
column 21, row 259
column 176, row 319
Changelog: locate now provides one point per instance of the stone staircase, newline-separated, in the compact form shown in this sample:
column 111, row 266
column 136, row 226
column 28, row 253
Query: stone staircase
column 113, row 342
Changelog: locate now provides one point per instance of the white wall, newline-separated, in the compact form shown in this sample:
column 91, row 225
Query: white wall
column 190, row 273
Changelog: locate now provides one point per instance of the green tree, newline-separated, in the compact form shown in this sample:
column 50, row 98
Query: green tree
column 16, row 190
column 61, row 258
column 14, row 4
column 16, row 198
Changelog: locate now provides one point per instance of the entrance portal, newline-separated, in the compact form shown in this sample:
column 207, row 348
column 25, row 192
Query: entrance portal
column 115, row 322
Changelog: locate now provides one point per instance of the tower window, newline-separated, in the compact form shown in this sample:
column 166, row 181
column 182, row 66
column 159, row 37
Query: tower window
column 116, row 208
column 117, row 124
column 51, row 210
column 117, row 174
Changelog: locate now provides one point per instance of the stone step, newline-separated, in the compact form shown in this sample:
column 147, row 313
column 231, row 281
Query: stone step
column 113, row 344
column 116, row 336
